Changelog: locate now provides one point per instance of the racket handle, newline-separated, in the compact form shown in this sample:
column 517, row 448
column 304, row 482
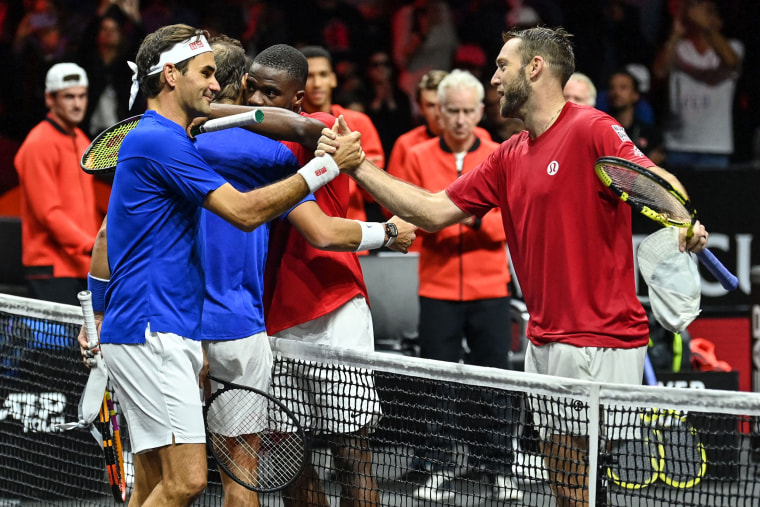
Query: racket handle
column 236, row 120
column 649, row 376
column 727, row 279
column 90, row 329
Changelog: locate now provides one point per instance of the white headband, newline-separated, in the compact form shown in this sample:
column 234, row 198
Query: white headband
column 181, row 51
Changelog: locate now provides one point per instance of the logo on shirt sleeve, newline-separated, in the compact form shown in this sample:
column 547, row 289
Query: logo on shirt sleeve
column 620, row 131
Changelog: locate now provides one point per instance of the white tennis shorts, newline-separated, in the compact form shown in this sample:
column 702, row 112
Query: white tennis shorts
column 328, row 397
column 611, row 366
column 247, row 362
column 157, row 387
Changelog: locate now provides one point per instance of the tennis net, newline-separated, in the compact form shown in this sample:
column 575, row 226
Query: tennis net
column 442, row 433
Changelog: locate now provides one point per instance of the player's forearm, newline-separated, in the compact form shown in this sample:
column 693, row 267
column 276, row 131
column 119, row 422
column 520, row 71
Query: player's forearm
column 329, row 233
column 416, row 205
column 99, row 263
column 278, row 123
column 267, row 203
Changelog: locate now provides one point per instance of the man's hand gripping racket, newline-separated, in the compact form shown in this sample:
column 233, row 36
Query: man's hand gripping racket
column 655, row 198
column 97, row 402
column 103, row 153
column 254, row 438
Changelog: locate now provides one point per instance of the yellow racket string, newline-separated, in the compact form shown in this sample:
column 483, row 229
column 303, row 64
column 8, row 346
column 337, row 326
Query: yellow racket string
column 662, row 205
column 104, row 153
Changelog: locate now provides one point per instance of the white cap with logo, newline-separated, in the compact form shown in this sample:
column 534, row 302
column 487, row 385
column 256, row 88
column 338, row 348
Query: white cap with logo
column 65, row 75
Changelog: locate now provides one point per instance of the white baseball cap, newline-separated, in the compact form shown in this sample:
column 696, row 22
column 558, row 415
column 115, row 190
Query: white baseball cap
column 65, row 75
column 673, row 279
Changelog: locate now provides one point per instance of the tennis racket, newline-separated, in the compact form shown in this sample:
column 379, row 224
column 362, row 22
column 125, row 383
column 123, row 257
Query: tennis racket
column 101, row 155
column 109, row 425
column 254, row 438
column 112, row 448
column 655, row 198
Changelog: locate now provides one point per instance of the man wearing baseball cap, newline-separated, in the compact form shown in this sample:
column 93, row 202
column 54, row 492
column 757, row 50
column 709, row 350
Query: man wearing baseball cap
column 58, row 213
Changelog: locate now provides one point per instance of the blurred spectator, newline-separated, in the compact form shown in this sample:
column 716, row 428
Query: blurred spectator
column 108, row 42
column 265, row 23
column 644, row 110
column 472, row 58
column 607, row 36
column 37, row 45
column 351, row 86
column 482, row 19
column 335, row 25
column 424, row 38
column 318, row 98
column 702, row 68
column 623, row 95
column 58, row 217
column 499, row 128
column 384, row 102
column 158, row 13
column 580, row 90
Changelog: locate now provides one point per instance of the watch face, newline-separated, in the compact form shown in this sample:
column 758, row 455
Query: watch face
column 391, row 229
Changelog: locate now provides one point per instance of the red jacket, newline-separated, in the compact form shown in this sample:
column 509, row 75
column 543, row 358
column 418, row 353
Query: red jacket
column 58, row 212
column 458, row 263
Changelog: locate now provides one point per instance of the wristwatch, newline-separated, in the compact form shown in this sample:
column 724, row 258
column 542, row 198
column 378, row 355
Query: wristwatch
column 392, row 232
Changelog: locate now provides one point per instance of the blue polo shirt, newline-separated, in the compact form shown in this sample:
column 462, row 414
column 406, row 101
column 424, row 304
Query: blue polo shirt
column 155, row 250
column 235, row 259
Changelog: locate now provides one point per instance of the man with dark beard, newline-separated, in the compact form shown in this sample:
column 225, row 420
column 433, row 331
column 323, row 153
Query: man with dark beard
column 569, row 237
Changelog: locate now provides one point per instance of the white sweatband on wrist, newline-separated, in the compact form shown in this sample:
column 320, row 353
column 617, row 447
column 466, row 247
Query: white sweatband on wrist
column 97, row 286
column 319, row 171
column 373, row 235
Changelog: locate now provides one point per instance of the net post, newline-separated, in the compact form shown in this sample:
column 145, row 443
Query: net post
column 755, row 355
column 594, row 424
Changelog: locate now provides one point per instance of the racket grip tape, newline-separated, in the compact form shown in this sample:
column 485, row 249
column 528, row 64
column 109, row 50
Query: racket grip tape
column 727, row 279
column 90, row 329
column 236, row 120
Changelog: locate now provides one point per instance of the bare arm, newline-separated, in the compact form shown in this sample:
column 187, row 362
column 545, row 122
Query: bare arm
column 340, row 234
column 99, row 262
column 278, row 123
column 248, row 210
column 430, row 211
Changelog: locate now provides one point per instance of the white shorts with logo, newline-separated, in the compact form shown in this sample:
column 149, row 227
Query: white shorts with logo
column 157, row 386
column 606, row 365
column 331, row 398
column 247, row 362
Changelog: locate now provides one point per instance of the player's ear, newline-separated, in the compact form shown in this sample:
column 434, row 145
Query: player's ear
column 169, row 74
column 298, row 100
column 244, row 94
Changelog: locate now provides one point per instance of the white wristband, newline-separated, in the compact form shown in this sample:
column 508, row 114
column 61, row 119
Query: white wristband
column 319, row 171
column 373, row 235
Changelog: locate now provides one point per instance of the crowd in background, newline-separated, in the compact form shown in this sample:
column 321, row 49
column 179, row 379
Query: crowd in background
column 380, row 47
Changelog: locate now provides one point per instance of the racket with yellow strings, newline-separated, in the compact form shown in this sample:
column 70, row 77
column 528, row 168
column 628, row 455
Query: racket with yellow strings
column 655, row 198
